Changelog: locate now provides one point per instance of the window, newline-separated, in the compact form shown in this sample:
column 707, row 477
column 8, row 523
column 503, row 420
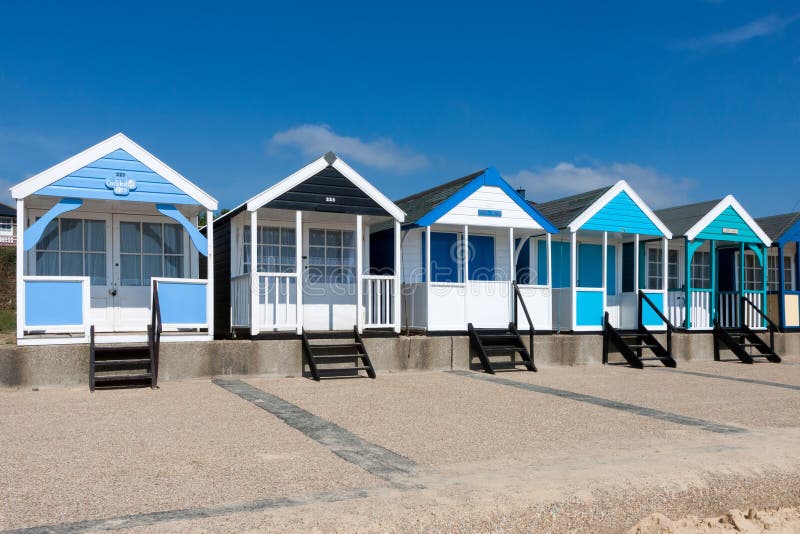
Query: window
column 654, row 268
column 773, row 281
column 331, row 256
column 73, row 247
column 788, row 273
column 673, row 277
column 148, row 250
column 6, row 225
column 701, row 270
column 753, row 275
column 277, row 250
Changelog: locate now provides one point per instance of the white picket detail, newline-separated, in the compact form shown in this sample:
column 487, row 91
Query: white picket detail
column 379, row 301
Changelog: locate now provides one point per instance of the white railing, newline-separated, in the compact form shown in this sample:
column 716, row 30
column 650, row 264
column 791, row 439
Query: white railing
column 277, row 301
column 728, row 310
column 676, row 307
column 379, row 301
column 752, row 318
column 701, row 309
column 240, row 300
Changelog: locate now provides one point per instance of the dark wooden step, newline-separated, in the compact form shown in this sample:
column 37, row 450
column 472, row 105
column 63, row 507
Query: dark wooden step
column 104, row 365
column 493, row 349
column 122, row 378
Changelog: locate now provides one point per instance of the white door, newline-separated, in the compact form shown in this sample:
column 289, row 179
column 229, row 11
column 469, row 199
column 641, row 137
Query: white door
column 329, row 260
column 143, row 247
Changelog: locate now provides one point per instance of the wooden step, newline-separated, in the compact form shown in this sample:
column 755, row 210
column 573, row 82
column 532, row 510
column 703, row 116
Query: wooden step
column 123, row 378
column 492, row 349
column 102, row 365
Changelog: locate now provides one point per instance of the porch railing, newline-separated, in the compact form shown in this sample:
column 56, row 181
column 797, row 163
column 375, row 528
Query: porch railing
column 732, row 312
column 240, row 300
column 749, row 307
column 277, row 301
column 379, row 301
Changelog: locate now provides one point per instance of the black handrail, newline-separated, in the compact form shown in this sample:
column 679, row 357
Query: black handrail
column 518, row 297
column 670, row 327
column 91, row 358
column 772, row 326
column 154, row 334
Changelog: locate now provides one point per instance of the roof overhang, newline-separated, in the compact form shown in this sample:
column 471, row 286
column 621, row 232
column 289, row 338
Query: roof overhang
column 330, row 159
column 606, row 197
column 103, row 148
column 725, row 203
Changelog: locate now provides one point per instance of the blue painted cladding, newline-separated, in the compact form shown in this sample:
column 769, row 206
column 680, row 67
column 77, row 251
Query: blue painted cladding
column 524, row 274
column 182, row 303
column 649, row 317
column 481, row 257
column 53, row 303
column 90, row 182
column 590, row 265
column 611, row 271
column 621, row 214
column 444, row 262
column 589, row 308
column 561, row 264
column 729, row 219
column 790, row 235
column 541, row 260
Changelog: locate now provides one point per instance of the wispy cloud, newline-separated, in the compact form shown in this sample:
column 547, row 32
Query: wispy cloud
column 381, row 153
column 657, row 189
column 761, row 27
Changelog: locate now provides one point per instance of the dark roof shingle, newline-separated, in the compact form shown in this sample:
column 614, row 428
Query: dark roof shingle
column 776, row 225
column 680, row 219
column 563, row 211
column 418, row 204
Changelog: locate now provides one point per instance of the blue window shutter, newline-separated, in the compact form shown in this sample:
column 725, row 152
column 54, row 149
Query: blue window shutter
column 444, row 260
column 524, row 262
column 561, row 264
column 590, row 265
column 541, row 261
column 481, row 257
column 611, row 274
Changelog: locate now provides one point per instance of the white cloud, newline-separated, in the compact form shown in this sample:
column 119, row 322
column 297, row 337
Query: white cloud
column 657, row 189
column 761, row 27
column 313, row 140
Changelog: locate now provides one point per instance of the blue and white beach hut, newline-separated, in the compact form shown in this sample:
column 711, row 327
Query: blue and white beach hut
column 783, row 269
column 717, row 257
column 95, row 233
column 595, row 268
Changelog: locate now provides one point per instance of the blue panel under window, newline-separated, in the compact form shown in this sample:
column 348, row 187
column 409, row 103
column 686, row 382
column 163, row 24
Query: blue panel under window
column 524, row 262
column 541, row 261
column 481, row 257
column 561, row 264
column 39, row 299
column 590, row 265
column 444, row 257
column 182, row 303
column 611, row 274
column 589, row 311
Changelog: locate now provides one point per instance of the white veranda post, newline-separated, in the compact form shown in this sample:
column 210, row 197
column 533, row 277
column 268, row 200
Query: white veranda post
column 210, row 272
column 254, row 272
column 298, row 255
column 359, row 273
column 20, row 268
column 604, row 284
column 573, row 276
column 398, row 265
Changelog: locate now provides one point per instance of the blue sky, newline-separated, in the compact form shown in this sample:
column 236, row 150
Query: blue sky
column 688, row 100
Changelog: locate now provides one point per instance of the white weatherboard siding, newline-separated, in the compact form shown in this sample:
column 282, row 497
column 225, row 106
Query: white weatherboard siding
column 493, row 198
column 412, row 256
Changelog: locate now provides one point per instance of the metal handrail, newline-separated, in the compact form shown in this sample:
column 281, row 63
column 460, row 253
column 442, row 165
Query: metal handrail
column 772, row 326
column 518, row 297
column 670, row 327
column 154, row 333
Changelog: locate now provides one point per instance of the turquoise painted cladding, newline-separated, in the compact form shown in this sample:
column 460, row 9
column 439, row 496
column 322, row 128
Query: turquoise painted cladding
column 182, row 303
column 40, row 296
column 589, row 308
column 729, row 226
column 649, row 316
column 90, row 182
column 621, row 214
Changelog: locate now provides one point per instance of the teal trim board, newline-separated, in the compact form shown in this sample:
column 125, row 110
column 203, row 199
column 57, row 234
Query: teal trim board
column 118, row 176
column 728, row 226
column 182, row 302
column 40, row 295
column 199, row 240
column 589, row 308
column 621, row 214
column 34, row 232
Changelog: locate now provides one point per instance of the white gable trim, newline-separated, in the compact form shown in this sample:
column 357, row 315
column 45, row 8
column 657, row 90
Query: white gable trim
column 724, row 204
column 104, row 148
column 598, row 204
column 270, row 194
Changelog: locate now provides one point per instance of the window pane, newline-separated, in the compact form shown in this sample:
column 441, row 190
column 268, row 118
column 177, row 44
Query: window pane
column 151, row 238
column 173, row 266
column 287, row 236
column 72, row 234
column 49, row 240
column 333, row 237
column 246, row 235
column 71, row 264
column 271, row 255
column 151, row 266
column 349, row 257
column 316, row 255
column 333, row 256
column 130, row 270
column 288, row 256
column 173, row 239
column 269, row 236
column 95, row 235
column 130, row 240
column 349, row 238
column 96, row 268
column 316, row 237
column 47, row 263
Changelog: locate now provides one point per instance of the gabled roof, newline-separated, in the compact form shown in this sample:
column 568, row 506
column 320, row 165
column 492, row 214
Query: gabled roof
column 104, row 148
column 563, row 211
column 680, row 219
column 775, row 226
column 7, row 211
column 699, row 216
column 426, row 207
column 577, row 210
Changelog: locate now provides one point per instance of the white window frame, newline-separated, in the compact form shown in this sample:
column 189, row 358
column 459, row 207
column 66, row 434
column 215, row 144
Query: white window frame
column 263, row 266
column 704, row 267
column 146, row 281
column 59, row 251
